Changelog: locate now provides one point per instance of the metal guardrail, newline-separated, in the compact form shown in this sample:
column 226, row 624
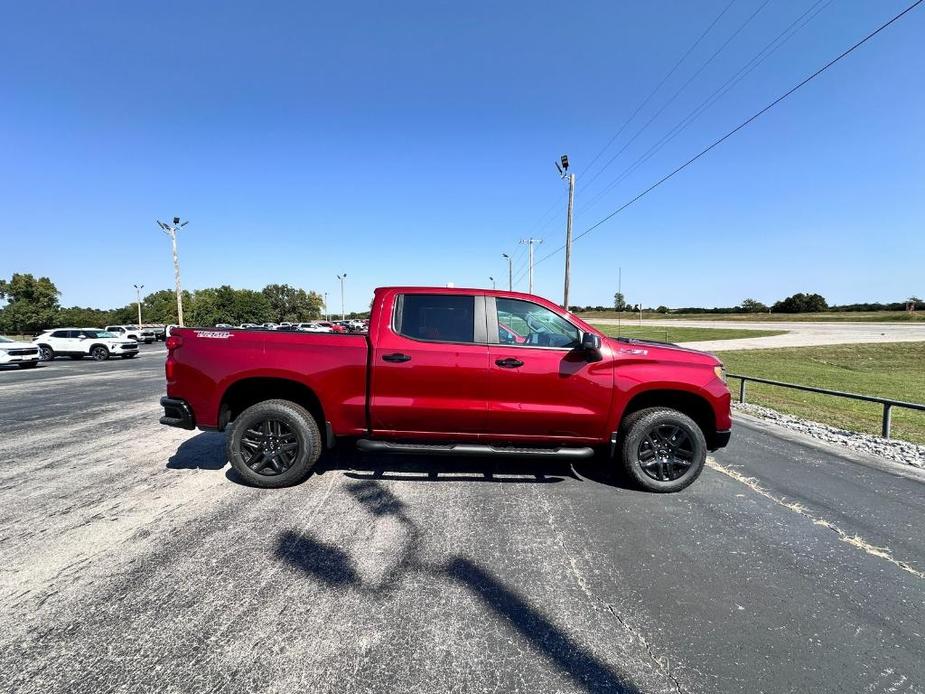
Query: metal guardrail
column 888, row 404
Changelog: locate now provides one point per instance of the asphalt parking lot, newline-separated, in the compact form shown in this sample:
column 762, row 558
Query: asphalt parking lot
column 133, row 560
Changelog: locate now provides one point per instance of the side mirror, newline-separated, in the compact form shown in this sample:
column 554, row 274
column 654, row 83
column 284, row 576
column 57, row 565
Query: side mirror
column 590, row 342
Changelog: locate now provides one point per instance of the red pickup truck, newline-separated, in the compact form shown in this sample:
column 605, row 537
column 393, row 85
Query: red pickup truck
column 451, row 371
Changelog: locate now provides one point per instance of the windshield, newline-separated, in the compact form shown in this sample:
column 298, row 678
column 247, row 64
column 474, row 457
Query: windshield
column 5, row 339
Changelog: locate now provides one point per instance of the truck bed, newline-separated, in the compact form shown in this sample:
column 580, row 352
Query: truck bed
column 209, row 361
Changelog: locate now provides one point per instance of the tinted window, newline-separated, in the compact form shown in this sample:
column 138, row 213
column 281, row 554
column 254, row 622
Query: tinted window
column 532, row 325
column 443, row 318
column 60, row 333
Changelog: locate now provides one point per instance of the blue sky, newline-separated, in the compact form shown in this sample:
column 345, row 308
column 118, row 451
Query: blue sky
column 414, row 143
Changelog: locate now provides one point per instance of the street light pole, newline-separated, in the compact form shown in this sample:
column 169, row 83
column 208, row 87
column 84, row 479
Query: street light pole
column 563, row 173
column 492, row 282
column 138, row 288
column 510, row 272
column 343, row 313
column 568, row 240
column 530, row 242
column 325, row 305
column 171, row 231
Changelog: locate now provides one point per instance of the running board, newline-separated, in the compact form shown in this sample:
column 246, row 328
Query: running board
column 473, row 449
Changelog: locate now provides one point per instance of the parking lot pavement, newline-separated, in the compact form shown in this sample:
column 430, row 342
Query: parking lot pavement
column 133, row 560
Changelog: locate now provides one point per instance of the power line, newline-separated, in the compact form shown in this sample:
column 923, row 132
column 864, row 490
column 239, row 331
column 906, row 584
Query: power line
column 719, row 93
column 739, row 127
column 680, row 89
column 645, row 101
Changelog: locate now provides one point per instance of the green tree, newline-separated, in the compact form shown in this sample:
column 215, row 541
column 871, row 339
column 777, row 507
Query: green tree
column 752, row 306
column 619, row 301
column 801, row 303
column 32, row 304
column 84, row 317
column 289, row 303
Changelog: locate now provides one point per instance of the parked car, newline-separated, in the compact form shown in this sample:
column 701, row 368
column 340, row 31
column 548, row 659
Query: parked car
column 223, row 325
column 132, row 332
column 287, row 327
column 23, row 354
column 313, row 328
column 334, row 327
column 160, row 332
column 436, row 375
column 78, row 343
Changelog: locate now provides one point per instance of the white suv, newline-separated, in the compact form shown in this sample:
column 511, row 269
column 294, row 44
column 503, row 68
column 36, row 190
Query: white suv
column 132, row 332
column 20, row 353
column 78, row 343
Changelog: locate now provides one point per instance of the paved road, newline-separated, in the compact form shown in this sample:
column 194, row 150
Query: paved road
column 798, row 334
column 133, row 560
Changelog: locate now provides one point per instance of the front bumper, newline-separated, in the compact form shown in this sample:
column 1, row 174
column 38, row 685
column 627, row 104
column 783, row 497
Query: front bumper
column 177, row 413
column 18, row 356
column 720, row 439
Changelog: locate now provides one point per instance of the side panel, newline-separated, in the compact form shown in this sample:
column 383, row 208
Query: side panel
column 634, row 376
column 439, row 392
column 333, row 366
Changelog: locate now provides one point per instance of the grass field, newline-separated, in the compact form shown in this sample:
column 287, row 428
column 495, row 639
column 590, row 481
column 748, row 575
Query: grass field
column 891, row 370
column 670, row 334
column 859, row 317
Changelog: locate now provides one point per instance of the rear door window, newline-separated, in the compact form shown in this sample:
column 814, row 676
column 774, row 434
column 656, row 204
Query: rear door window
column 436, row 317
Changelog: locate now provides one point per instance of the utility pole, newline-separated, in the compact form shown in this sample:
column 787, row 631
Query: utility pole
column 530, row 242
column 138, row 288
column 325, row 305
column 492, row 282
column 563, row 173
column 171, row 231
column 343, row 314
column 510, row 272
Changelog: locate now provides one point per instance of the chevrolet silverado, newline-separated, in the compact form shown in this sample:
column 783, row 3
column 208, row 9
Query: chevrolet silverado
column 451, row 371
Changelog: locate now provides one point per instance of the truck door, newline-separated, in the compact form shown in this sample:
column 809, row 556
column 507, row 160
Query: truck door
column 429, row 370
column 542, row 385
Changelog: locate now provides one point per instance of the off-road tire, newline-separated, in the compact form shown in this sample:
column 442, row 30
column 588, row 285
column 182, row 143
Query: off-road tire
column 297, row 420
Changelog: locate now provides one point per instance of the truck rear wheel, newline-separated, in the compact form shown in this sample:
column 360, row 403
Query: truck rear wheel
column 663, row 450
column 274, row 443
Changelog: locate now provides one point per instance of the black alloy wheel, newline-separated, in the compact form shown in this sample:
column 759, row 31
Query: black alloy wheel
column 46, row 353
column 666, row 452
column 270, row 447
column 99, row 353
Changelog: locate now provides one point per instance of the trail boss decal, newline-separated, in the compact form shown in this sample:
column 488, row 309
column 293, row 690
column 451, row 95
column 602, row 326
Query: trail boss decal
column 213, row 334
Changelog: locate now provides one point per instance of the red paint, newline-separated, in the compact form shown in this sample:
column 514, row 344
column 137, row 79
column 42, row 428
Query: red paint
column 446, row 391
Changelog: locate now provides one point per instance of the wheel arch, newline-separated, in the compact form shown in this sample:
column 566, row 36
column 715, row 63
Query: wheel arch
column 249, row 391
column 695, row 406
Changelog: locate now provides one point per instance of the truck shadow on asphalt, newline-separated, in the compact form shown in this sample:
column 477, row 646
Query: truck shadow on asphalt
column 206, row 451
column 331, row 566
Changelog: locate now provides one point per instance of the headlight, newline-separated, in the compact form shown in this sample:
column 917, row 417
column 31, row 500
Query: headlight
column 720, row 372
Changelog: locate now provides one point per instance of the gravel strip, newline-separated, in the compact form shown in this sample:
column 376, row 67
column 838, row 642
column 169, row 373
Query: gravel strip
column 892, row 449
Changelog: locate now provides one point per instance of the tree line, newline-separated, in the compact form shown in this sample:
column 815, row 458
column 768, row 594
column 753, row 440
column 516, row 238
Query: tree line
column 32, row 304
column 797, row 303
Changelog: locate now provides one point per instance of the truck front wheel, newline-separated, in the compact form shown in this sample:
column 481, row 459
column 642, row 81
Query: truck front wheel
column 274, row 443
column 663, row 450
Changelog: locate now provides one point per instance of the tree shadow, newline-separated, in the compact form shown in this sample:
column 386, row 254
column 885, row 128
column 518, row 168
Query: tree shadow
column 205, row 451
column 330, row 565
column 335, row 568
